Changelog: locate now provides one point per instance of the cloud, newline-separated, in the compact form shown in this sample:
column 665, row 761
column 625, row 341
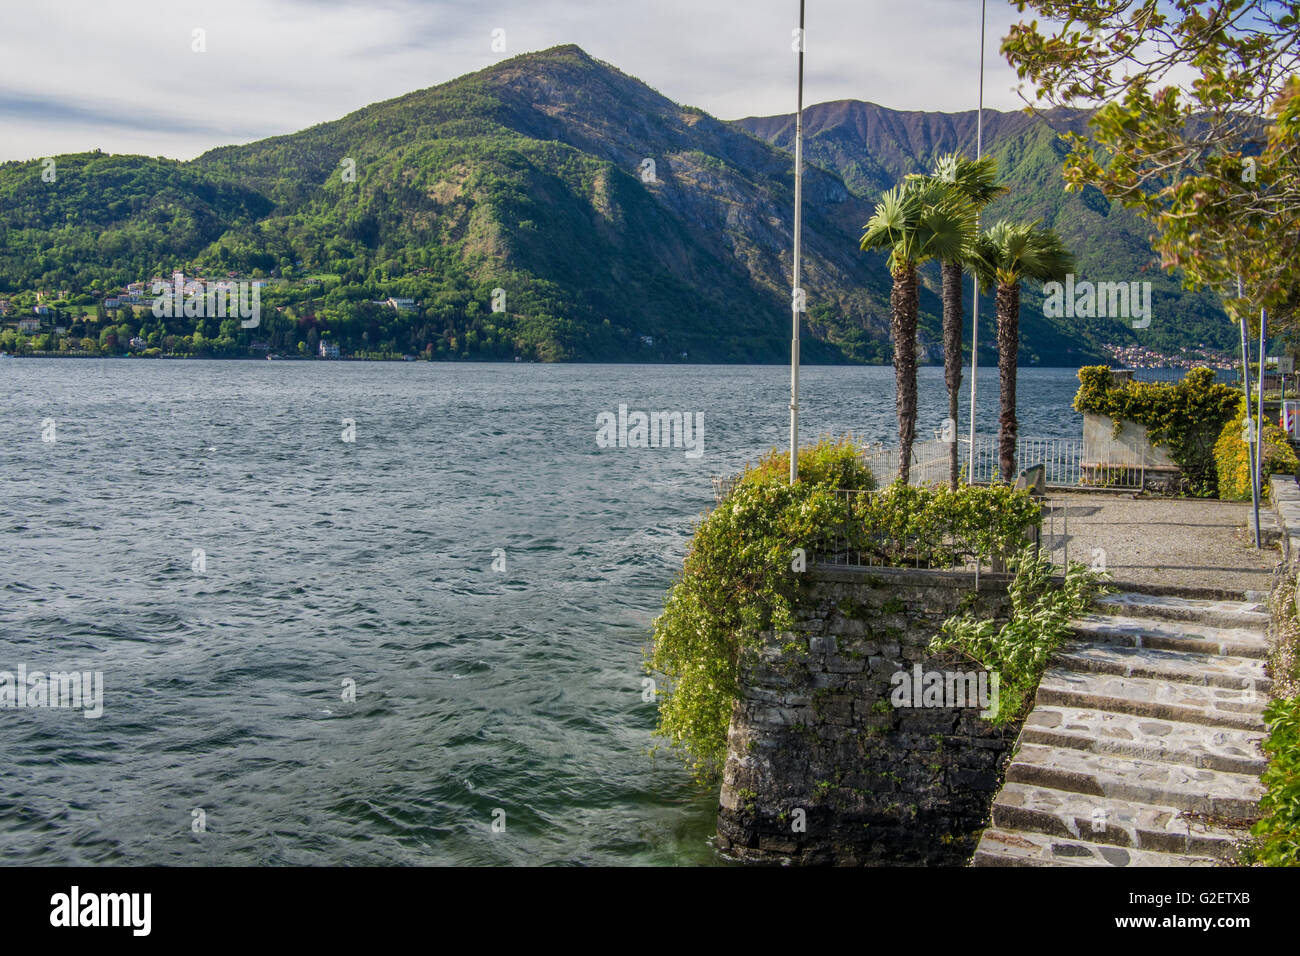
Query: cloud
column 125, row 77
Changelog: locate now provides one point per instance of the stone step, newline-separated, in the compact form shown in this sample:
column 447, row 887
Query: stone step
column 1171, row 635
column 1147, row 738
column 999, row 847
column 1251, row 614
column 1212, row 793
column 1234, row 673
column 1090, row 819
column 1146, row 697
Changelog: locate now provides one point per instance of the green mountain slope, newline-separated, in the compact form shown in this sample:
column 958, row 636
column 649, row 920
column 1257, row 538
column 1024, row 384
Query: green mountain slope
column 872, row 148
column 531, row 177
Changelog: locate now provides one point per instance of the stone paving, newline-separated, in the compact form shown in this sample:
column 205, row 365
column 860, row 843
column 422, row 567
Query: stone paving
column 1154, row 544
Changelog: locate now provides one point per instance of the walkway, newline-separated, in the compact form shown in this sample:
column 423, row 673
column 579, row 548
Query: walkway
column 1162, row 545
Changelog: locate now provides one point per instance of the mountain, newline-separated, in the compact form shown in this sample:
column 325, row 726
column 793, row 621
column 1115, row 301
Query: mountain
column 872, row 148
column 547, row 207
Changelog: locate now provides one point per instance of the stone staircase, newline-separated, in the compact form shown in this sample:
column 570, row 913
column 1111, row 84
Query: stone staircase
column 1143, row 745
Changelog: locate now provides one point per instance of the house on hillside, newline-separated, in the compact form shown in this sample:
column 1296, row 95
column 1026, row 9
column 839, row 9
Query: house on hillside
column 329, row 350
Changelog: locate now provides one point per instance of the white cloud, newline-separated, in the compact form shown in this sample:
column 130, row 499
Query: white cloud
column 84, row 74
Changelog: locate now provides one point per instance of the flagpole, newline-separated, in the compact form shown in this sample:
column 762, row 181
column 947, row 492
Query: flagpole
column 796, row 294
column 1259, row 424
column 975, row 306
column 1245, row 383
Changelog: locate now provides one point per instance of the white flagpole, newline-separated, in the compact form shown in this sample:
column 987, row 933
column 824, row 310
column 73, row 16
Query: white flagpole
column 975, row 306
column 796, row 294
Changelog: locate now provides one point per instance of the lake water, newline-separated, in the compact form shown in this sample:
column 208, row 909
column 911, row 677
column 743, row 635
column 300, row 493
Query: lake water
column 480, row 694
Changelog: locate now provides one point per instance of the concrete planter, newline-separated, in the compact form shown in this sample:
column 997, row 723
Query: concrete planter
column 1130, row 449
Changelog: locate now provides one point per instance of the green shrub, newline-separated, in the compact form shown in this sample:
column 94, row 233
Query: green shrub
column 1277, row 833
column 737, row 581
column 832, row 463
column 1018, row 651
column 1232, row 457
column 1185, row 416
column 740, row 576
column 935, row 526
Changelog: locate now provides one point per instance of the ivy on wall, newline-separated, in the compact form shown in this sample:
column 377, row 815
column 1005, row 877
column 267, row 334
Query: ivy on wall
column 743, row 568
column 1187, row 417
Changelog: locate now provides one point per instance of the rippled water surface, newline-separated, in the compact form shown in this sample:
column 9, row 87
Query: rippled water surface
column 371, row 561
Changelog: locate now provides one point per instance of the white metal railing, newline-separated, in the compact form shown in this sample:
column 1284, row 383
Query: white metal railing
column 1072, row 462
column 929, row 462
column 1061, row 458
column 1067, row 462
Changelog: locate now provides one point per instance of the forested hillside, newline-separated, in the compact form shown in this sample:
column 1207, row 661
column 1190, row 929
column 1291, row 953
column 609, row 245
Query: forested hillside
column 617, row 225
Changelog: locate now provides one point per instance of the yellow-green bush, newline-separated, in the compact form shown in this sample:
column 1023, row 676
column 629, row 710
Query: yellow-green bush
column 1232, row 457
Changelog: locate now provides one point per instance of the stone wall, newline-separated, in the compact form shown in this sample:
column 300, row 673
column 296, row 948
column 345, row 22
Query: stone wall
column 822, row 767
column 1284, row 496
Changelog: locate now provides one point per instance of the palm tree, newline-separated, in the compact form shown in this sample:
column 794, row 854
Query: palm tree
column 975, row 181
column 1005, row 255
column 919, row 220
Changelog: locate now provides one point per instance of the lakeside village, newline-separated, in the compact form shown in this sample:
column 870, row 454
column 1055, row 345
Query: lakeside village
column 186, row 316
column 1140, row 356
column 124, row 322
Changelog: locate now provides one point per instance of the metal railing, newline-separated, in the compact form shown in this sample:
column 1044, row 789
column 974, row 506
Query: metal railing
column 1054, row 534
column 1067, row 463
column 1061, row 458
column 849, row 546
column 723, row 486
column 1075, row 463
column 853, row 544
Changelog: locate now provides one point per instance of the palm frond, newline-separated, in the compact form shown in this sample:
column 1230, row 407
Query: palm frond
column 920, row 219
column 974, row 179
column 1010, row 252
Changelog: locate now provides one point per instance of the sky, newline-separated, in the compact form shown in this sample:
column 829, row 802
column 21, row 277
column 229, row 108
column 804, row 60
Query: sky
column 126, row 77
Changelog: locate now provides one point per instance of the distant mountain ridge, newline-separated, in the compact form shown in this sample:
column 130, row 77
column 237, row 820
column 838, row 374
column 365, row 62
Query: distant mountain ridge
column 618, row 225
column 872, row 148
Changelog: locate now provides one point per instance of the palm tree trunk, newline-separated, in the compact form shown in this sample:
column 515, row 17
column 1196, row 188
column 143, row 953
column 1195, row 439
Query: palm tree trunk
column 1008, row 309
column 952, row 322
column 903, row 307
